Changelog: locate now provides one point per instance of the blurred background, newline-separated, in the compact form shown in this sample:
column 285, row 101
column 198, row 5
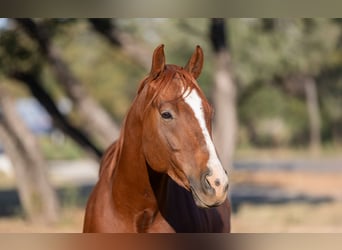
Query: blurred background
column 275, row 84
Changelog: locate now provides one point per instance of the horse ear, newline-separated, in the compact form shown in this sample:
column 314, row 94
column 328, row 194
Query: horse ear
column 158, row 61
column 195, row 64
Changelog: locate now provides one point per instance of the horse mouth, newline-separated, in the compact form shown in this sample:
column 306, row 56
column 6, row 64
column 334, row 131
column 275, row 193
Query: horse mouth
column 200, row 203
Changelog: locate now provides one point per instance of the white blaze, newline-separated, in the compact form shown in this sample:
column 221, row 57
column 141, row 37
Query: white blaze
column 214, row 164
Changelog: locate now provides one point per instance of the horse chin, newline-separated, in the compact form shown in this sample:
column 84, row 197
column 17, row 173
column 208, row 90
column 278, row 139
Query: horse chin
column 201, row 203
column 198, row 201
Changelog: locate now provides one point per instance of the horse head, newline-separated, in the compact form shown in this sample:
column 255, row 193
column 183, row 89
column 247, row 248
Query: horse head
column 176, row 129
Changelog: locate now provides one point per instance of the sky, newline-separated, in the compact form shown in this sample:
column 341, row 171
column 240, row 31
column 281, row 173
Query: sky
column 3, row 22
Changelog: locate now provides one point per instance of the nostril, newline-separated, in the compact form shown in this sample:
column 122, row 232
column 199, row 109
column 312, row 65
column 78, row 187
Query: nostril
column 207, row 184
column 217, row 183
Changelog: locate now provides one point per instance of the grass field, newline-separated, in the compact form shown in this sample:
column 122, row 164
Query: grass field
column 289, row 218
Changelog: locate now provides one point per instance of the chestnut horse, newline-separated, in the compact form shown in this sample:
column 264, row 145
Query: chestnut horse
column 163, row 173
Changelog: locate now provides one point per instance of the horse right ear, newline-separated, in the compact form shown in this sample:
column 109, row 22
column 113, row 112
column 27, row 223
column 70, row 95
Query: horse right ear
column 158, row 61
column 195, row 64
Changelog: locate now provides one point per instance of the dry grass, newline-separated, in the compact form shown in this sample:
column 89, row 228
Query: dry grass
column 71, row 222
column 294, row 217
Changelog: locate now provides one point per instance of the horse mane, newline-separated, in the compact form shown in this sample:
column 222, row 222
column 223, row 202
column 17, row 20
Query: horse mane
column 155, row 86
column 111, row 156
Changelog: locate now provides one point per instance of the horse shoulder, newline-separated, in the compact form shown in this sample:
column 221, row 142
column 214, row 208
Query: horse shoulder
column 99, row 216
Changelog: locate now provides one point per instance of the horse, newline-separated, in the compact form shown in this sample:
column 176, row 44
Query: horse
column 163, row 174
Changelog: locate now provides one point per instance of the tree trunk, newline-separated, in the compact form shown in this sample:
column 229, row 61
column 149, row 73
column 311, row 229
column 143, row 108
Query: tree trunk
column 38, row 198
column 136, row 51
column 32, row 81
column 224, row 95
column 95, row 119
column 313, row 109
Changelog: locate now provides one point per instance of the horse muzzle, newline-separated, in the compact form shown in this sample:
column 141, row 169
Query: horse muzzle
column 210, row 191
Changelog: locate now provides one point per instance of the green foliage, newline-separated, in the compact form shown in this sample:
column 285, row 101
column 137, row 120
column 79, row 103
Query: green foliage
column 57, row 150
column 292, row 46
column 287, row 47
column 180, row 37
column 17, row 52
column 273, row 117
column 110, row 76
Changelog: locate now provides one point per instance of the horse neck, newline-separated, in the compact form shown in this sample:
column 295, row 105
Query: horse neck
column 130, row 178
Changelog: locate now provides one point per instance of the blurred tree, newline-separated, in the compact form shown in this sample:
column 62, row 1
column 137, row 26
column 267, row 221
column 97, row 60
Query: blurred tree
column 224, row 94
column 33, row 82
column 19, row 61
column 285, row 49
column 330, row 88
column 96, row 120
column 314, row 113
column 37, row 196
column 130, row 47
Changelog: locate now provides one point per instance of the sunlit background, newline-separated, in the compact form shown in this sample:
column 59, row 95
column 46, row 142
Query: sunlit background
column 66, row 85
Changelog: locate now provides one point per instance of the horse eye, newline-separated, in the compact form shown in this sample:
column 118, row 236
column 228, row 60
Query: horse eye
column 166, row 115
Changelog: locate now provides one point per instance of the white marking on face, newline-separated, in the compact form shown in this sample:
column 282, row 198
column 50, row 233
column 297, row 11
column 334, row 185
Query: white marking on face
column 214, row 164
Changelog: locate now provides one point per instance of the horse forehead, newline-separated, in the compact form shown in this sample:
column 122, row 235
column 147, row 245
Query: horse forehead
column 179, row 87
column 192, row 99
column 174, row 89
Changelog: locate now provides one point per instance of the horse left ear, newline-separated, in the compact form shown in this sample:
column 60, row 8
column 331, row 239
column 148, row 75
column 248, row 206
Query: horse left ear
column 195, row 64
column 158, row 61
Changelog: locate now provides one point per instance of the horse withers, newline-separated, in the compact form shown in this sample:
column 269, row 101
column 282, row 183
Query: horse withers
column 163, row 173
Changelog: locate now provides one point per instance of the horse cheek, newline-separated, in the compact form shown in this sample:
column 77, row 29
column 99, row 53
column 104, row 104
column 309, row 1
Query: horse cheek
column 154, row 149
